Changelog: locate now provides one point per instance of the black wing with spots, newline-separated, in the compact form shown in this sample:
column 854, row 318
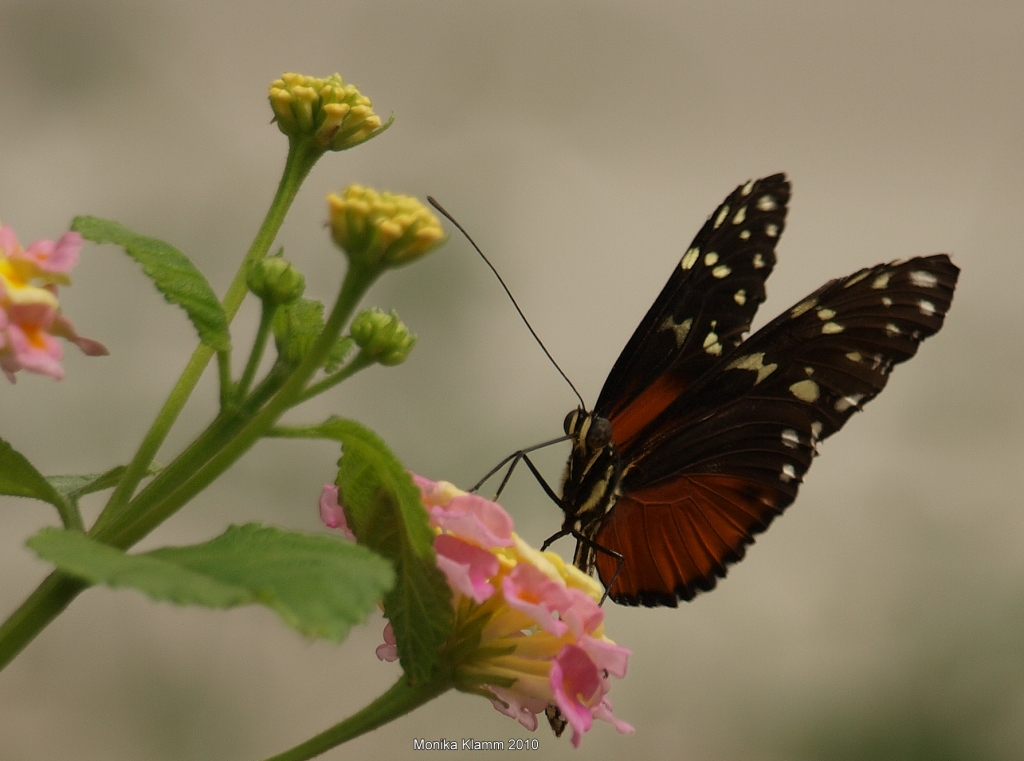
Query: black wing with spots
column 722, row 460
column 715, row 288
column 808, row 370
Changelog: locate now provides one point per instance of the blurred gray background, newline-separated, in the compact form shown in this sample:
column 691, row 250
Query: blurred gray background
column 583, row 144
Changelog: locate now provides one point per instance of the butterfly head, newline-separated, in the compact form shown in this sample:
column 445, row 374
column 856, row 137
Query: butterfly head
column 588, row 431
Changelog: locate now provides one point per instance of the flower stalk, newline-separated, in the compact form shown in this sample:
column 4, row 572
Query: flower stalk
column 396, row 702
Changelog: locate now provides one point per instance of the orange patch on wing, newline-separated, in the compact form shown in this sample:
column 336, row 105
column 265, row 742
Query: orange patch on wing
column 676, row 538
column 642, row 410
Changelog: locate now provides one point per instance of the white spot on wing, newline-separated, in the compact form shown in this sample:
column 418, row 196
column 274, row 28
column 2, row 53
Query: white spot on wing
column 740, row 216
column 788, row 473
column 923, row 279
column 758, row 261
column 681, row 329
column 892, row 329
column 927, row 308
column 806, row 391
column 767, row 203
column 802, row 307
column 721, row 216
column 747, row 188
column 771, row 230
column 710, row 258
column 854, row 279
column 854, row 356
column 745, row 235
column 711, row 345
column 721, row 271
column 740, row 297
column 816, row 430
column 882, row 281
column 843, row 404
column 886, row 301
column 790, row 438
column 689, row 258
column 826, row 314
column 753, row 362
column 830, row 328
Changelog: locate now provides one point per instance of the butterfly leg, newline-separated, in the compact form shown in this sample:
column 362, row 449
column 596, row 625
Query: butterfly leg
column 514, row 458
column 595, row 547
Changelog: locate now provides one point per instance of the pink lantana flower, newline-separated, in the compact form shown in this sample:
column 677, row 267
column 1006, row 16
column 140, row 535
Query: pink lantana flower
column 535, row 622
column 332, row 513
column 30, row 315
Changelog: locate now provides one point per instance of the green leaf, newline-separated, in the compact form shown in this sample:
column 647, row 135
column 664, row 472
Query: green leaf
column 318, row 584
column 75, row 487
column 339, row 353
column 174, row 275
column 19, row 478
column 296, row 327
column 386, row 513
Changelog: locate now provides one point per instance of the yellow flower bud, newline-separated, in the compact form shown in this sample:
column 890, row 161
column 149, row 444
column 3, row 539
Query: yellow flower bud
column 382, row 229
column 333, row 114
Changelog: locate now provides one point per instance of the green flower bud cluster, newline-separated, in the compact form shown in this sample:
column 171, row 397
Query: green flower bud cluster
column 382, row 336
column 382, row 229
column 335, row 115
column 275, row 281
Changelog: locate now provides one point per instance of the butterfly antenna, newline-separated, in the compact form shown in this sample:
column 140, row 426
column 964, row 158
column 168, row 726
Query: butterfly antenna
column 529, row 327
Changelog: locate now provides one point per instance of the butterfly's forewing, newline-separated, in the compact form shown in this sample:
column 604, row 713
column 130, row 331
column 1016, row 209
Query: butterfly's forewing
column 715, row 289
column 719, row 462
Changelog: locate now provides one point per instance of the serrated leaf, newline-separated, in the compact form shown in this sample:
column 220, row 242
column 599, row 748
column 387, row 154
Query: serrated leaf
column 174, row 275
column 318, row 584
column 19, row 478
column 76, row 486
column 338, row 353
column 296, row 327
column 386, row 514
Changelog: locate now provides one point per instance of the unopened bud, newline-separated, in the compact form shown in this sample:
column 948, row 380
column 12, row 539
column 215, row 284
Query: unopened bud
column 382, row 336
column 275, row 281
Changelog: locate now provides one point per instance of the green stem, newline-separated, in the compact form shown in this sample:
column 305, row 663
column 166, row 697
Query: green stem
column 42, row 606
column 396, row 702
column 258, row 344
column 298, row 164
column 153, row 506
column 224, row 372
column 361, row 362
column 70, row 515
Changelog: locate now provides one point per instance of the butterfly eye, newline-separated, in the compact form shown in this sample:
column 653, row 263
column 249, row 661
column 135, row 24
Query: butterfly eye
column 600, row 433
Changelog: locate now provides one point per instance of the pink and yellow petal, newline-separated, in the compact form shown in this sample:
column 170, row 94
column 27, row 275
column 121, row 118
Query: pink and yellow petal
column 529, row 590
column 332, row 513
column 62, row 327
column 606, row 655
column 54, row 258
column 521, row 708
column 32, row 348
column 466, row 566
column 475, row 519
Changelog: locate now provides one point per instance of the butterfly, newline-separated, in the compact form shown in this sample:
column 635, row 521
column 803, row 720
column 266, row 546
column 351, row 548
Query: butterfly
column 701, row 437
